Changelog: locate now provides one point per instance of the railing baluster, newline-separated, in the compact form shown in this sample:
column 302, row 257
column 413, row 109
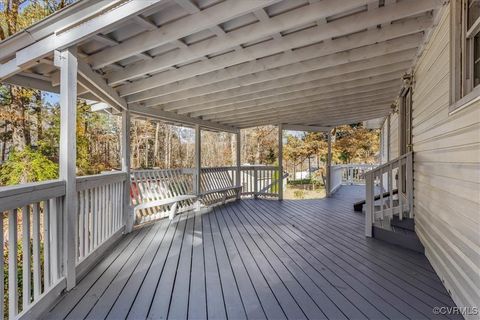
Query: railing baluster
column 54, row 236
column 96, row 218
column 87, row 222
column 80, row 227
column 37, row 289
column 409, row 184
column 26, row 268
column 381, row 195
column 390, row 187
column 400, row 188
column 369, row 204
column 46, row 244
column 12, row 265
column 255, row 182
column 2, row 266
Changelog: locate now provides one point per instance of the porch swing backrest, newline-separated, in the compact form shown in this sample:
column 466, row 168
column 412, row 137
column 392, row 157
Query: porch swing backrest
column 160, row 192
column 217, row 184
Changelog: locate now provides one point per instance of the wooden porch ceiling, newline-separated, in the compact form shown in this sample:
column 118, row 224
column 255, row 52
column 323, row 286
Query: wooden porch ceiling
column 259, row 259
column 231, row 64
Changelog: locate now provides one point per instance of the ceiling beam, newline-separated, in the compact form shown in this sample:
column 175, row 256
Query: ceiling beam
column 281, row 65
column 340, row 90
column 321, row 118
column 306, row 109
column 145, row 23
column 259, row 30
column 315, row 69
column 75, row 12
column 98, row 86
column 321, row 121
column 396, row 70
column 306, row 106
column 170, row 116
column 178, row 29
column 29, row 81
column 307, row 80
column 69, row 35
column 336, row 28
column 296, row 127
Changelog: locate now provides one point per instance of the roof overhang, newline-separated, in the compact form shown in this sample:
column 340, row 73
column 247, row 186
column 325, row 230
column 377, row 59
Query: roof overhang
column 230, row 64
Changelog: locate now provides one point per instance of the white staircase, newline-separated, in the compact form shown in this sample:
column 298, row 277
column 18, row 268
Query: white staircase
column 389, row 193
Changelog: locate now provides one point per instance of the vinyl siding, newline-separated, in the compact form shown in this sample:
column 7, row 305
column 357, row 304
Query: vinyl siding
column 384, row 142
column 447, row 173
column 394, row 150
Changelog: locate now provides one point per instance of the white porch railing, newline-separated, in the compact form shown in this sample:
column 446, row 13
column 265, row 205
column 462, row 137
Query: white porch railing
column 389, row 191
column 31, row 235
column 260, row 181
column 33, row 221
column 100, row 218
column 32, row 232
column 349, row 174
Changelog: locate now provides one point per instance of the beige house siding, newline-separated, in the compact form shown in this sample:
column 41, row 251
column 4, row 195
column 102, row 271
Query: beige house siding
column 394, row 152
column 384, row 142
column 447, row 172
column 389, row 127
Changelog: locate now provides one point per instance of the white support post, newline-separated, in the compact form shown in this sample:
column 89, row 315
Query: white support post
column 255, row 182
column 369, row 204
column 280, row 162
column 198, row 161
column 388, row 138
column 67, row 61
column 328, row 187
column 128, row 218
column 238, row 162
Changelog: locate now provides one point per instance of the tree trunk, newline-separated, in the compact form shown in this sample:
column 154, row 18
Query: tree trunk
column 309, row 169
column 156, row 145
column 38, row 113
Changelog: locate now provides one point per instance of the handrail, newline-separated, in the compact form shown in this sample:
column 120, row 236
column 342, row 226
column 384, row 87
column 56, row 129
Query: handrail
column 17, row 196
column 395, row 174
column 385, row 165
column 87, row 182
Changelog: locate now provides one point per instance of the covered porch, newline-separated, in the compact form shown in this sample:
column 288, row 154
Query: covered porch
column 168, row 243
column 258, row 259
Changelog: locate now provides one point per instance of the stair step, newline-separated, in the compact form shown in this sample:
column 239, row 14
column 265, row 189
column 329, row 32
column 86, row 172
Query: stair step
column 403, row 238
column 405, row 223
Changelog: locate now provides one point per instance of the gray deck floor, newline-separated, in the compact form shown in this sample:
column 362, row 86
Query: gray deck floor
column 258, row 259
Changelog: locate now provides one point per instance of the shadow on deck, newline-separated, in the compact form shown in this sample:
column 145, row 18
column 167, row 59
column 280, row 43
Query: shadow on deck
column 259, row 259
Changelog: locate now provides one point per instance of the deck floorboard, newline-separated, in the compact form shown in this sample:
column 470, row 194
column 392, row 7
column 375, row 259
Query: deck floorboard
column 258, row 259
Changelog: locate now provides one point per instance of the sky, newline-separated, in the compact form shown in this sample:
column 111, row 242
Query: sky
column 51, row 98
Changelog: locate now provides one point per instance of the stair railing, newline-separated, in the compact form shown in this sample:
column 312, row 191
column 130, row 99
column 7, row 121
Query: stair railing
column 392, row 185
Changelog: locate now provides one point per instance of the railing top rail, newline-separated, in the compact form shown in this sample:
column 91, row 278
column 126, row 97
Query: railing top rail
column 387, row 164
column 100, row 176
column 28, row 187
column 355, row 165
column 157, row 169
column 243, row 167
column 220, row 168
column 259, row 167
column 12, row 197
column 87, row 182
